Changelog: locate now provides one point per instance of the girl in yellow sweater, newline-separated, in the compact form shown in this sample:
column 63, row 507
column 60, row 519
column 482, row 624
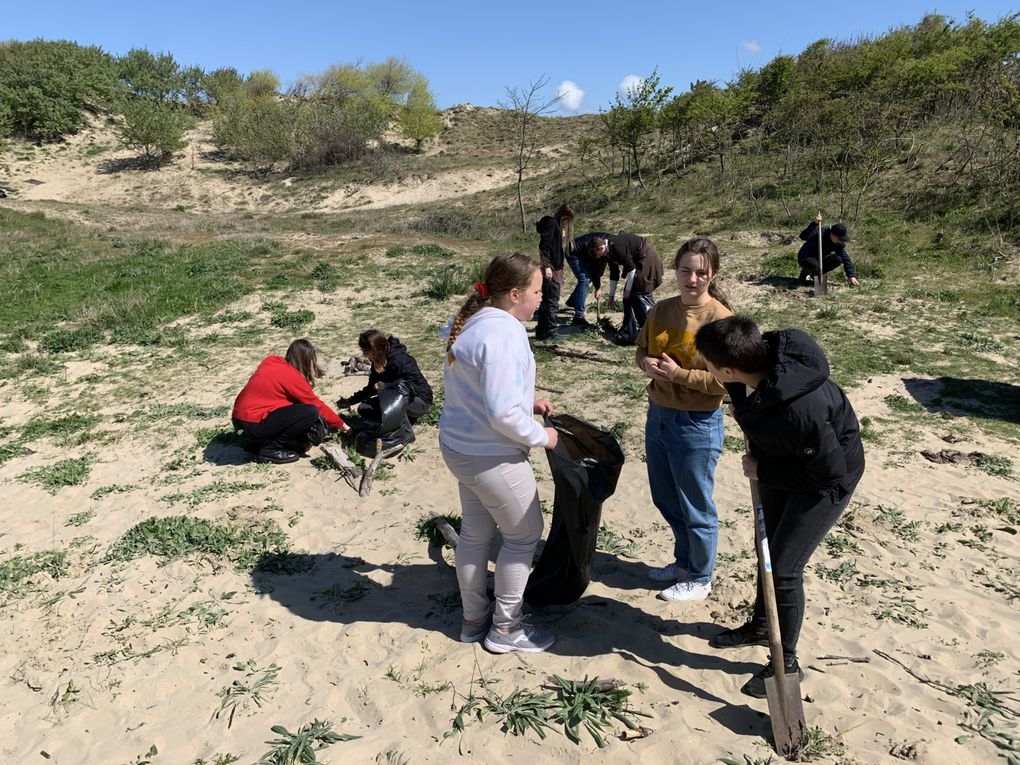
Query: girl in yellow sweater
column 684, row 429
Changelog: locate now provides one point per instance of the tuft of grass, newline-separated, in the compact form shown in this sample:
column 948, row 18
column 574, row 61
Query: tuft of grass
column 255, row 687
column 994, row 464
column 80, row 519
column 301, row 747
column 62, row 428
column 218, row 489
column 445, row 282
column 294, row 321
column 840, row 544
column 54, row 477
column 611, row 542
column 16, row 573
column 432, row 250
column 10, row 451
column 177, row 536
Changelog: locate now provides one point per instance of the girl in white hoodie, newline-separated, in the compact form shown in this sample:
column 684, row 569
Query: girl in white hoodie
column 486, row 430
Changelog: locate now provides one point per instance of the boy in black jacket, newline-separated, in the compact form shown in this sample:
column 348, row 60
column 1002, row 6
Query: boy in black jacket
column 805, row 452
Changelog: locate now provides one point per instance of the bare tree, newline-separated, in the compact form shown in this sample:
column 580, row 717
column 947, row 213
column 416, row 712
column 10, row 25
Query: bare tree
column 526, row 105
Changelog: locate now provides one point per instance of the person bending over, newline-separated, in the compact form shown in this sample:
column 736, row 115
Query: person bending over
column 278, row 411
column 805, row 451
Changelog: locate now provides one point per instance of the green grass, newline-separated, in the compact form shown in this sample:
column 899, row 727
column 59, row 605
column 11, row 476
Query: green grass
column 16, row 573
column 124, row 290
column 54, row 477
column 62, row 428
column 177, row 536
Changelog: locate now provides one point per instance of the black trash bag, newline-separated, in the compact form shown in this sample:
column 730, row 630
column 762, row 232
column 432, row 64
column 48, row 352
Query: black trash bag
column 385, row 419
column 586, row 465
column 635, row 312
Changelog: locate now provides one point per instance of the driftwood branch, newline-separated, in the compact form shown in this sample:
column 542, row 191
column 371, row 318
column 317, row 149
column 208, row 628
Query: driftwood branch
column 556, row 350
column 351, row 472
column 336, row 454
column 449, row 532
column 369, row 474
column 548, row 390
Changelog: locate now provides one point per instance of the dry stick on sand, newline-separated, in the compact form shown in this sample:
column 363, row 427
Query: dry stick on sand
column 369, row 474
column 349, row 471
column 449, row 532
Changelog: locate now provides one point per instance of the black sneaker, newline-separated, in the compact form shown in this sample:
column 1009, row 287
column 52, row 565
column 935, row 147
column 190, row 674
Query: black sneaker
column 277, row 456
column 755, row 687
column 580, row 321
column 745, row 634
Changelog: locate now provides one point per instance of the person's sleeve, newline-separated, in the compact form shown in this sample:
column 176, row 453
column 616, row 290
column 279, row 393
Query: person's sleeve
column 628, row 281
column 700, row 380
column 367, row 392
column 546, row 242
column 502, row 395
column 299, row 391
column 848, row 265
column 816, row 460
column 812, row 227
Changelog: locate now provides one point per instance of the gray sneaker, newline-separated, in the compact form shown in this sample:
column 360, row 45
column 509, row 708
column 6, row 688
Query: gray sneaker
column 525, row 638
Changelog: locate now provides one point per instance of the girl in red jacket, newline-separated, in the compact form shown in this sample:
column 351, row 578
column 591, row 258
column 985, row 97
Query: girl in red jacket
column 278, row 410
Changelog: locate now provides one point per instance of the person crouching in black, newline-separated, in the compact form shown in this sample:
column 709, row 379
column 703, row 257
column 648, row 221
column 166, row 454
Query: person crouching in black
column 391, row 364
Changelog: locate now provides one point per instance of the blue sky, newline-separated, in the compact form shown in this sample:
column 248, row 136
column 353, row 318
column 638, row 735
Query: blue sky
column 472, row 52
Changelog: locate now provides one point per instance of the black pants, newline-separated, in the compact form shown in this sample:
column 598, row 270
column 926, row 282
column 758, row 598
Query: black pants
column 636, row 308
column 810, row 265
column 795, row 523
column 283, row 428
column 547, row 320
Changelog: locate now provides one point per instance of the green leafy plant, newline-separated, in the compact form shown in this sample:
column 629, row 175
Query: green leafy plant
column 592, row 706
column 54, row 477
column 302, row 746
column 257, row 686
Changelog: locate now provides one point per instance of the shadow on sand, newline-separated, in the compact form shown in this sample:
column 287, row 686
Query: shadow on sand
column 960, row 397
column 343, row 589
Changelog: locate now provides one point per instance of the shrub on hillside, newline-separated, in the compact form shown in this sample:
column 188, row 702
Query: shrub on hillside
column 157, row 129
column 46, row 85
column 256, row 131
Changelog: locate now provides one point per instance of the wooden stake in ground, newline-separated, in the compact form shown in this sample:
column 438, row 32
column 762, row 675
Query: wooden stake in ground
column 786, row 710
column 821, row 280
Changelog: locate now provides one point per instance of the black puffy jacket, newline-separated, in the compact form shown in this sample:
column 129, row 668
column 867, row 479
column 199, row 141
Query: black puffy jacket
column 799, row 423
column 400, row 365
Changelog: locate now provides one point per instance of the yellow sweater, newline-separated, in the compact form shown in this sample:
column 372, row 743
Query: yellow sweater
column 670, row 330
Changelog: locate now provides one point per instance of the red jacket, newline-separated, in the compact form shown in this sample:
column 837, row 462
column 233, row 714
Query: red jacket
column 277, row 384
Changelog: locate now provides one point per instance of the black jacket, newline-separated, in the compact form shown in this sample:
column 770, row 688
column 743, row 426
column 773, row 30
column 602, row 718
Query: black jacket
column 810, row 248
column 627, row 252
column 550, row 243
column 799, row 423
column 400, row 365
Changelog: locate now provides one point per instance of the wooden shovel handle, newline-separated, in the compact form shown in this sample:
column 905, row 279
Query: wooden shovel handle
column 768, row 589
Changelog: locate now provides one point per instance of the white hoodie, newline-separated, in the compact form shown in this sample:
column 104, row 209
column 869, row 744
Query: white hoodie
column 489, row 396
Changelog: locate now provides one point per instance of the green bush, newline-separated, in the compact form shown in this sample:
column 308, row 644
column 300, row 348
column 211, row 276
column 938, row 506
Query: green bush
column 256, row 131
column 45, row 85
column 157, row 129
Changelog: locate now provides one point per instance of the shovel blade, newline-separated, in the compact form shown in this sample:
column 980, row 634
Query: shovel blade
column 786, row 712
column 821, row 285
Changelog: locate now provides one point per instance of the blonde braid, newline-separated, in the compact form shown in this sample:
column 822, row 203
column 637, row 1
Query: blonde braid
column 472, row 305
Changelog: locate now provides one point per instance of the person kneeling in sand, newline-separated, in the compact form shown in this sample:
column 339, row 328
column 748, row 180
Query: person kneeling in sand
column 278, row 411
column 805, row 451
column 391, row 365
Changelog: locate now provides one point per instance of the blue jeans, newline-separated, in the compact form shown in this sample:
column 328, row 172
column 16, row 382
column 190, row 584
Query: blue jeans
column 579, row 296
column 681, row 449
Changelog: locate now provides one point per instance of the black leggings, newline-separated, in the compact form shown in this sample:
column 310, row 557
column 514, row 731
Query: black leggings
column 547, row 318
column 795, row 523
column 283, row 428
column 831, row 263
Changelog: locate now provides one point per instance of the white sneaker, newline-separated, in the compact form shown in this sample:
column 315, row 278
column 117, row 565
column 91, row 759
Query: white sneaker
column 674, row 572
column 687, row 590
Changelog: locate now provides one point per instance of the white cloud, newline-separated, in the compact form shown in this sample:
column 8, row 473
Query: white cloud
column 570, row 96
column 751, row 47
column 629, row 84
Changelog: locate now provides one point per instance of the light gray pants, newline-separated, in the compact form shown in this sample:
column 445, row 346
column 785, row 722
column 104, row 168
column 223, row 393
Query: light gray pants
column 495, row 492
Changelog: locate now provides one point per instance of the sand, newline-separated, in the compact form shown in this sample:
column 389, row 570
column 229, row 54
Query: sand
column 113, row 658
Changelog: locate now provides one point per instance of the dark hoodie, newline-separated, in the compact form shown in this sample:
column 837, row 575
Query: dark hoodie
column 799, row 423
column 550, row 243
column 400, row 365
